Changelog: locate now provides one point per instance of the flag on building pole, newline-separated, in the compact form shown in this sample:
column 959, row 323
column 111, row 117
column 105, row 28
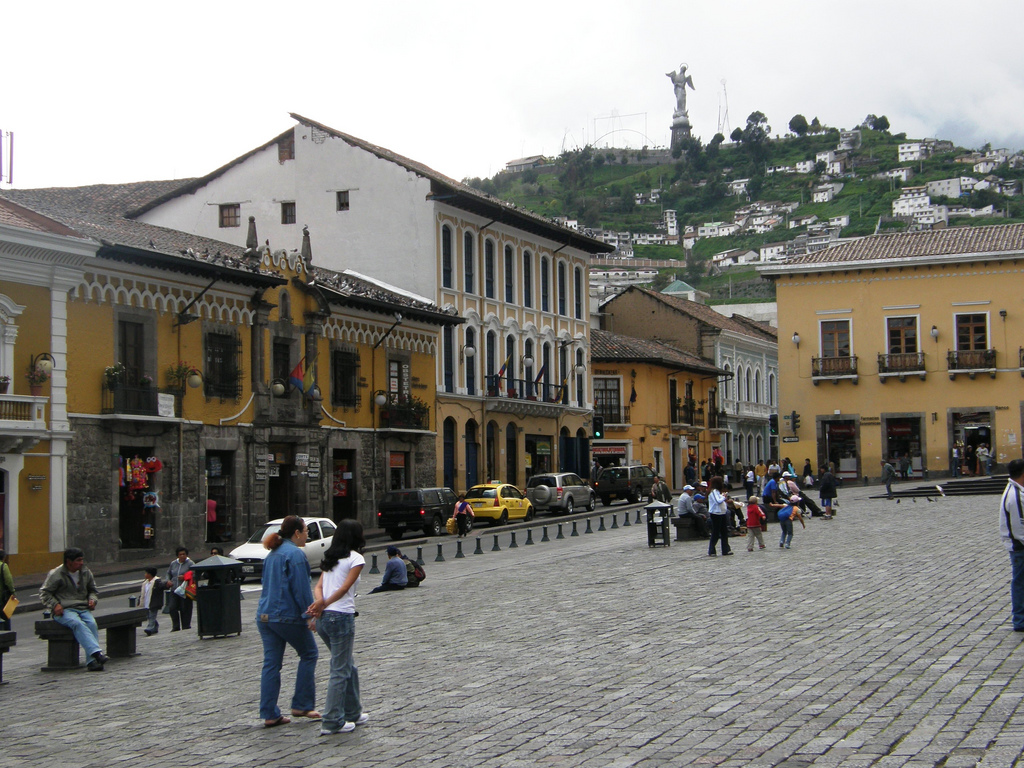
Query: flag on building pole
column 308, row 380
column 504, row 366
column 540, row 374
column 297, row 378
column 632, row 395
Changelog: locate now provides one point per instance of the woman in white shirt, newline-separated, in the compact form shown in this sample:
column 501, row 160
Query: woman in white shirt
column 719, row 511
column 335, row 609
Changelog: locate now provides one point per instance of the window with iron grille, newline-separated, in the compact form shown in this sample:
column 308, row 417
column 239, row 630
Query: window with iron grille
column 608, row 400
column 510, row 269
column 469, row 262
column 545, row 287
column 446, row 257
column 489, row 269
column 342, row 200
column 231, row 215
column 287, row 213
column 223, row 376
column 527, row 279
column 345, row 378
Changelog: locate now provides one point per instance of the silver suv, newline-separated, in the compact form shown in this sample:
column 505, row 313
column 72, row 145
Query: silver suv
column 562, row 491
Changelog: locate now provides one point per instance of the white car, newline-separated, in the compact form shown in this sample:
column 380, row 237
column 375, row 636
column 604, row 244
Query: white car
column 253, row 553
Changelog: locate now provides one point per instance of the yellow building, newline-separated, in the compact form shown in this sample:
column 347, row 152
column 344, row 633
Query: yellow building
column 651, row 398
column 212, row 386
column 903, row 345
column 40, row 261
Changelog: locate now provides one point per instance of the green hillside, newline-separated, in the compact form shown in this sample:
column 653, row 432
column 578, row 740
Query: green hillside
column 598, row 188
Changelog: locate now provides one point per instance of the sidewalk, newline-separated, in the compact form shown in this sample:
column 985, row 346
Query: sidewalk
column 881, row 639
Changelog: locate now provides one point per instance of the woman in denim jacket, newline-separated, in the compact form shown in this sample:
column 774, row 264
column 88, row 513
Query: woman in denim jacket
column 282, row 619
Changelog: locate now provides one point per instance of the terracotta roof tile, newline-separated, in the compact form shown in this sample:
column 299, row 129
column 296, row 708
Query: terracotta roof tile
column 705, row 314
column 608, row 347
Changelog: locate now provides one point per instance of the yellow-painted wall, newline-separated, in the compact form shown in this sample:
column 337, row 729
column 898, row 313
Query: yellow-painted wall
column 933, row 294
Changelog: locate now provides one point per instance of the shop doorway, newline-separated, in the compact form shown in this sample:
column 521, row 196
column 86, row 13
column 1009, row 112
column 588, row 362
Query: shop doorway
column 343, row 486
column 839, row 448
column 903, row 439
column 971, row 429
column 538, row 455
column 137, row 501
column 279, row 480
column 398, row 477
column 220, row 496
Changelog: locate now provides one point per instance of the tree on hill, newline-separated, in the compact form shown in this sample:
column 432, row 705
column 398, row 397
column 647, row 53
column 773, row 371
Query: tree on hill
column 577, row 168
column 816, row 126
column 876, row 123
column 736, row 135
column 755, row 136
column 798, row 125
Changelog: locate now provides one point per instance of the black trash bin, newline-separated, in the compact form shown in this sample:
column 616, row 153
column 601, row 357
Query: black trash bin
column 658, row 513
column 218, row 596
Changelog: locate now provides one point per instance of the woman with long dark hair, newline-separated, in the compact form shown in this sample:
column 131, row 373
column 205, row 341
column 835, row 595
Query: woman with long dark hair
column 718, row 509
column 335, row 609
column 281, row 619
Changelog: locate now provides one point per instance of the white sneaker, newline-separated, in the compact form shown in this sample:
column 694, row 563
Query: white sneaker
column 362, row 720
column 346, row 728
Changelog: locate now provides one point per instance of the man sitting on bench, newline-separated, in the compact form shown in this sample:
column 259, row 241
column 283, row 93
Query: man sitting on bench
column 69, row 592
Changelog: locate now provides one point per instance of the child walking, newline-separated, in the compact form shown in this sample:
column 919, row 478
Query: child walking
column 787, row 514
column 152, row 599
column 755, row 516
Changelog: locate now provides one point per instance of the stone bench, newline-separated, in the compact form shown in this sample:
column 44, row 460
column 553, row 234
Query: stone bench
column 685, row 529
column 62, row 651
column 7, row 641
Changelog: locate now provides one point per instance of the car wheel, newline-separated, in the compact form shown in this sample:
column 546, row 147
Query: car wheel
column 634, row 495
column 568, row 506
column 469, row 525
column 530, row 513
column 503, row 520
column 436, row 527
column 592, row 504
column 395, row 534
column 606, row 501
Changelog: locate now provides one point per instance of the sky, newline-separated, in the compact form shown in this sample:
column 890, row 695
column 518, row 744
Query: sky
column 110, row 92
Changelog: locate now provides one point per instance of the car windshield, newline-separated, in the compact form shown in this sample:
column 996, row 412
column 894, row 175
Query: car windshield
column 263, row 530
column 481, row 493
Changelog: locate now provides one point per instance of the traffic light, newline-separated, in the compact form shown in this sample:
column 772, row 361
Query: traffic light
column 773, row 424
column 598, row 427
column 794, row 421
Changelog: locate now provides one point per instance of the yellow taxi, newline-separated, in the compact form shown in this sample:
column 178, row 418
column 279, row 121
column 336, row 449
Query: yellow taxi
column 499, row 503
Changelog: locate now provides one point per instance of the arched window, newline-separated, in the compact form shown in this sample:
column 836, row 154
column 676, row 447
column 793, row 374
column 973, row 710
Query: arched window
column 746, row 385
column 759, row 447
column 510, row 275
column 545, row 372
column 491, row 354
column 509, row 362
column 511, row 455
column 527, row 279
column 449, row 359
column 757, row 386
column 727, row 383
column 750, row 449
column 449, row 452
column 562, row 288
column 491, row 452
column 528, row 368
column 472, row 453
column 446, row 257
column 489, row 267
column 545, row 285
column 470, row 362
column 284, row 306
column 470, row 263
column 771, row 389
column 577, row 293
column 579, row 378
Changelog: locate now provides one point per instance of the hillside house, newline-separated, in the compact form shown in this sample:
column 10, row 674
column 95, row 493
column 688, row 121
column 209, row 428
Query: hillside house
column 956, row 187
column 902, row 175
column 802, row 221
column 839, row 221
column 825, row 193
column 805, row 166
column 987, row 165
column 773, row 252
column 671, row 223
column 525, row 163
column 848, row 140
column 912, row 151
column 911, row 200
column 738, row 187
column 734, row 257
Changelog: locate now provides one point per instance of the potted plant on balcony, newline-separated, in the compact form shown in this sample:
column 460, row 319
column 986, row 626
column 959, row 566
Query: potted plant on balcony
column 180, row 373
column 5, row 383
column 146, row 381
column 36, row 378
column 113, row 375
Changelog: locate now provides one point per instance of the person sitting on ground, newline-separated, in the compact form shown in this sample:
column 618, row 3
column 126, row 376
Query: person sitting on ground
column 395, row 572
column 69, row 593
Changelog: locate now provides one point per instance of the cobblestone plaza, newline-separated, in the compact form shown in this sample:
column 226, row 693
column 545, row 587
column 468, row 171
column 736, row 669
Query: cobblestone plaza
column 882, row 638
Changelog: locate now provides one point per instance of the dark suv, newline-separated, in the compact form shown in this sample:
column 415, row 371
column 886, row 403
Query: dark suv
column 631, row 483
column 421, row 509
column 560, row 491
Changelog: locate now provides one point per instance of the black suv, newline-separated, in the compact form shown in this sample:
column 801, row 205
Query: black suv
column 421, row 509
column 631, row 483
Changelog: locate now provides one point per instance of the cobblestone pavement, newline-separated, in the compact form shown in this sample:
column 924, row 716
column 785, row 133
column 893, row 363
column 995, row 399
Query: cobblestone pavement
column 881, row 638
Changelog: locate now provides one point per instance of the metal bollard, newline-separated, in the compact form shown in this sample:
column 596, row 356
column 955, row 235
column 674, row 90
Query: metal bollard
column 419, row 556
column 590, row 528
column 513, row 544
column 373, row 564
column 625, row 520
column 479, row 550
column 544, row 537
column 495, row 548
column 440, row 554
column 638, row 515
column 600, row 526
column 458, row 549
column 574, row 531
column 615, row 521
column 560, row 534
column 529, row 537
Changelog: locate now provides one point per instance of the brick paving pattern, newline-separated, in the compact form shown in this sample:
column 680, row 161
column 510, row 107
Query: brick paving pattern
column 881, row 638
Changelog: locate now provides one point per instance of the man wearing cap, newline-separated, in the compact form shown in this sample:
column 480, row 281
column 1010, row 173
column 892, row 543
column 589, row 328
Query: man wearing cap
column 395, row 573
column 69, row 592
column 686, row 508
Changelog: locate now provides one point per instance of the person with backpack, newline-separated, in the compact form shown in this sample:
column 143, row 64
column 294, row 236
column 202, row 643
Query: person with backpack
column 414, row 572
column 394, row 572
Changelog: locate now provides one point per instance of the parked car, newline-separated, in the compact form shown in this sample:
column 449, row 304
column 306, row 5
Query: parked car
column 560, row 491
column 252, row 553
column 417, row 509
column 499, row 503
column 630, row 483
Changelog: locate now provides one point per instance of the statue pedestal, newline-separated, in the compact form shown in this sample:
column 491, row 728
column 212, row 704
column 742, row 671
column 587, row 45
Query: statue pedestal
column 680, row 128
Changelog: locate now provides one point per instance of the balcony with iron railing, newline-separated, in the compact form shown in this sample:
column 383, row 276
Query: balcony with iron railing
column 901, row 365
column 404, row 414
column 833, row 369
column 136, row 400
column 971, row 361
column 527, row 389
column 613, row 414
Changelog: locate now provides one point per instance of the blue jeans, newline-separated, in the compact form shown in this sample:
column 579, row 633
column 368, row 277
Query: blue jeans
column 82, row 624
column 1017, row 588
column 787, row 531
column 275, row 636
column 338, row 630
column 154, row 625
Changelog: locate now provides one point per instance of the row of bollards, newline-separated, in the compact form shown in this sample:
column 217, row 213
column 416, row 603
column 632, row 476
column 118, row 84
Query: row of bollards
column 514, row 544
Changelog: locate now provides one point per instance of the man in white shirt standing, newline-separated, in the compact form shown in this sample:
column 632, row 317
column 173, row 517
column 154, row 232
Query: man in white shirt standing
column 1011, row 528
